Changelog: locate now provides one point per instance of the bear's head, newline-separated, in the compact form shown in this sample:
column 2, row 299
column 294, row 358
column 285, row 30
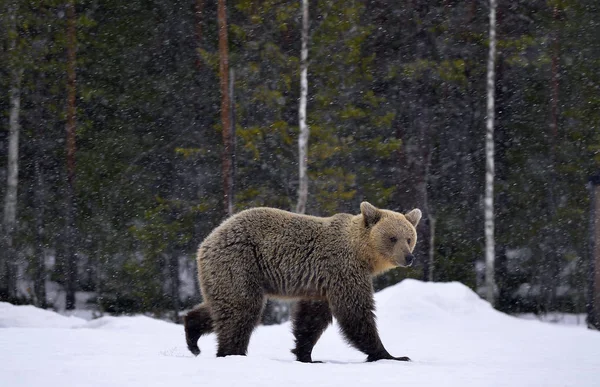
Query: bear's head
column 391, row 236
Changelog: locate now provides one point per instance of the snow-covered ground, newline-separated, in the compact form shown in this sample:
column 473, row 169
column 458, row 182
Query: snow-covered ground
column 453, row 337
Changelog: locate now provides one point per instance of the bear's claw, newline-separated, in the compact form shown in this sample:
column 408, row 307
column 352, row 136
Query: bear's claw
column 386, row 356
column 194, row 349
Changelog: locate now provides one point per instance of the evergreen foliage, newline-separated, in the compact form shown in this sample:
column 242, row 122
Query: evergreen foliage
column 396, row 110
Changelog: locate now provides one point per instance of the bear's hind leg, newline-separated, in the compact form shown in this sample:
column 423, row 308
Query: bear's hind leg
column 310, row 319
column 197, row 322
column 234, row 323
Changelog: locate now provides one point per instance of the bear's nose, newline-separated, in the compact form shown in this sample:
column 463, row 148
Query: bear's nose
column 409, row 259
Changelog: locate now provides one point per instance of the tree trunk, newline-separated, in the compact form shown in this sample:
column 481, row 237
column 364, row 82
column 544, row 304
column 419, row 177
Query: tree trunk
column 199, row 11
column 175, row 283
column 70, row 243
column 232, row 132
column 431, row 253
column 551, row 242
column 501, row 176
column 418, row 136
column 555, row 69
column 304, row 130
column 12, row 181
column 10, row 201
column 489, row 170
column 593, row 296
column 39, row 281
column 225, row 109
column 415, row 161
column 425, row 228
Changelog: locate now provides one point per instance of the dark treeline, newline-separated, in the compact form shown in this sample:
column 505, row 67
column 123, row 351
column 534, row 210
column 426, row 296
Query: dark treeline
column 396, row 109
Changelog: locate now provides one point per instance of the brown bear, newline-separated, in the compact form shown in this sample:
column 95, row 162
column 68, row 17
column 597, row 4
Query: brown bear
column 325, row 263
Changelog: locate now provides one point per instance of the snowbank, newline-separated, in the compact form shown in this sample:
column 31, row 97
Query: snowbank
column 454, row 338
column 27, row 316
column 425, row 298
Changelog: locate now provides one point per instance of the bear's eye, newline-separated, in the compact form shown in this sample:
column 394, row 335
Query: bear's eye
column 393, row 239
column 409, row 241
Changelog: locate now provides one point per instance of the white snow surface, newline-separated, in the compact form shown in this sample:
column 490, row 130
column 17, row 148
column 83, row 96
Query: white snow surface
column 454, row 338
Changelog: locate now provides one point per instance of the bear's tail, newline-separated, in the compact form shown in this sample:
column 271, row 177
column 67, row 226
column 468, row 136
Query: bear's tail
column 197, row 322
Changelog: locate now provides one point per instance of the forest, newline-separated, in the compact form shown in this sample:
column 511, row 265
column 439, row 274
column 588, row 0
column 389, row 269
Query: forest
column 115, row 110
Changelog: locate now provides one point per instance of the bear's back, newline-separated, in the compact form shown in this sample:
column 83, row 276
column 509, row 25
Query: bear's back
column 263, row 226
column 288, row 251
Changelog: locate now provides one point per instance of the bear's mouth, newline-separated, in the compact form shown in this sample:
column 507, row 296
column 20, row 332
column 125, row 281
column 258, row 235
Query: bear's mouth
column 409, row 260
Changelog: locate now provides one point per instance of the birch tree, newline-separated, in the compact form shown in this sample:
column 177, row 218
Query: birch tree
column 489, row 165
column 304, row 130
column 12, row 181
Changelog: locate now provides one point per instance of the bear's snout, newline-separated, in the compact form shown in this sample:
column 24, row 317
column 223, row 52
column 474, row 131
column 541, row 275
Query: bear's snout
column 409, row 259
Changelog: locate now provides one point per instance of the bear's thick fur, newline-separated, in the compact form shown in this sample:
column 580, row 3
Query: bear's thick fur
column 325, row 263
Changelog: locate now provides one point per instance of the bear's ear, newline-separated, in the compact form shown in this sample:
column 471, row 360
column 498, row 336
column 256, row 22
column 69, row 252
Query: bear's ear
column 370, row 213
column 414, row 216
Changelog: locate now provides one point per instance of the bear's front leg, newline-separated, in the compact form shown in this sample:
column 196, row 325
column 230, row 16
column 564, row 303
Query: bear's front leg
column 353, row 308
